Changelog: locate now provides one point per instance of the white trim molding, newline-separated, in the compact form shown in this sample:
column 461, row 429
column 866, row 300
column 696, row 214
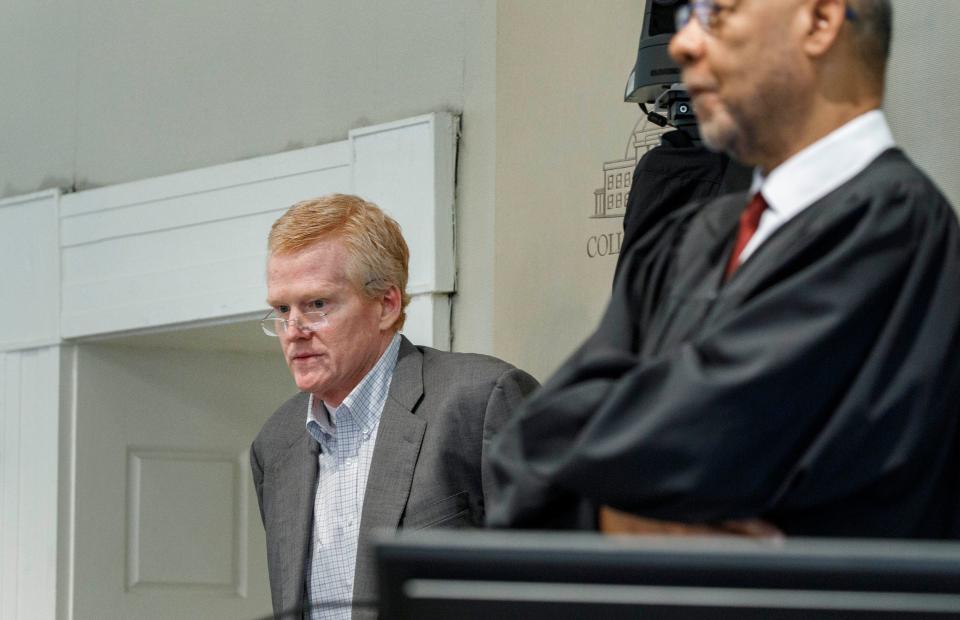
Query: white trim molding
column 191, row 247
column 30, row 276
column 29, row 426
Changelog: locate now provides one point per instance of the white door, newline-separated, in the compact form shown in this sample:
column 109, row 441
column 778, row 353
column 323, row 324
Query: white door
column 166, row 519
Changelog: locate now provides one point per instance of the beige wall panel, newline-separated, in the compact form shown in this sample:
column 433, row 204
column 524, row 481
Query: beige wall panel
column 561, row 69
column 472, row 317
column 923, row 85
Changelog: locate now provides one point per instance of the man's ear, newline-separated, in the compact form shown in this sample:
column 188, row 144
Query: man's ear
column 390, row 307
column 826, row 19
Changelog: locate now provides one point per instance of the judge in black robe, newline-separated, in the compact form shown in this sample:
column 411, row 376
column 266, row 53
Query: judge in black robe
column 818, row 389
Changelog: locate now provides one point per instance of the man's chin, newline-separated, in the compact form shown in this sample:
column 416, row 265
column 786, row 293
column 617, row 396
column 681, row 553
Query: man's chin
column 308, row 384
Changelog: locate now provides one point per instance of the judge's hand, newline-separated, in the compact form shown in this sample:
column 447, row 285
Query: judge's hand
column 614, row 521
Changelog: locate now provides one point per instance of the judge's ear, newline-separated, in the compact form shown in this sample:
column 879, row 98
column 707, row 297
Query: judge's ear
column 825, row 19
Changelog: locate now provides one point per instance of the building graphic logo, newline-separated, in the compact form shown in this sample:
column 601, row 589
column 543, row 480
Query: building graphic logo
column 611, row 199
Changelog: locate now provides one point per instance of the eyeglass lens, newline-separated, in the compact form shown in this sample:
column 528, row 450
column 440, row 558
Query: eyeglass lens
column 309, row 322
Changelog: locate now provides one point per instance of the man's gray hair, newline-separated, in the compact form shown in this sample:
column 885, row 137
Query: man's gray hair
column 873, row 30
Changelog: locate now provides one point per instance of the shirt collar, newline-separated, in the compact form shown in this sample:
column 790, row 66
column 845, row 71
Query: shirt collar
column 365, row 401
column 825, row 165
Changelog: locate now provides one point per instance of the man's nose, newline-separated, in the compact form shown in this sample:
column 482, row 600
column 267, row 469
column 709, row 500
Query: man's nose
column 686, row 46
column 294, row 328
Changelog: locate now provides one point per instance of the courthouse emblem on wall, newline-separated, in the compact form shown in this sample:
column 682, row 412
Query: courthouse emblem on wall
column 611, row 199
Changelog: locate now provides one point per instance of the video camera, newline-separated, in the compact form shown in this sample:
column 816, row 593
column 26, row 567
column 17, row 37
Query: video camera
column 655, row 79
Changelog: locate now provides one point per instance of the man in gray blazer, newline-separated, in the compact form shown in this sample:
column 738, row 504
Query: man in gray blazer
column 383, row 434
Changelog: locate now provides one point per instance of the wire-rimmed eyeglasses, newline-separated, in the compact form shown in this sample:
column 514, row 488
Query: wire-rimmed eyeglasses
column 312, row 321
column 709, row 14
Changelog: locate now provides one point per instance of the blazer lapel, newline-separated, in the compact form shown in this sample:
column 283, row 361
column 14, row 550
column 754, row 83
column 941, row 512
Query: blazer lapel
column 394, row 459
column 297, row 480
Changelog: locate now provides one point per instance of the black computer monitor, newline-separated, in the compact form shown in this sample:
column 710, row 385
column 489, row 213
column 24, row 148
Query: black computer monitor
column 496, row 576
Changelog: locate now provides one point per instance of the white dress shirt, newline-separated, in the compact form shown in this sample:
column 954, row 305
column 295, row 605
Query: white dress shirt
column 346, row 436
column 816, row 171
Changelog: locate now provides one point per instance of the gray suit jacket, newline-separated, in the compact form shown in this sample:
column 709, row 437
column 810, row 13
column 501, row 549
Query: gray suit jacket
column 429, row 464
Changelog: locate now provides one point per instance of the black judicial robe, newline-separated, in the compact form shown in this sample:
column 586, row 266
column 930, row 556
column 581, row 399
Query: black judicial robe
column 818, row 389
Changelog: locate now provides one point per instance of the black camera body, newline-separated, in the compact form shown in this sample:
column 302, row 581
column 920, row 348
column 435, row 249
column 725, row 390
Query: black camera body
column 679, row 109
column 655, row 80
column 654, row 71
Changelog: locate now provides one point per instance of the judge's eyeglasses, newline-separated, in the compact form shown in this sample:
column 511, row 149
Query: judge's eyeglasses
column 711, row 13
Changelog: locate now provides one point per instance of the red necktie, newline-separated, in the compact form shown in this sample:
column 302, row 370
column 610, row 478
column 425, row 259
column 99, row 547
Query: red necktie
column 749, row 220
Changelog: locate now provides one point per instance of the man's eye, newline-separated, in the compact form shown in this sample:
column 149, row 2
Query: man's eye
column 318, row 304
column 282, row 309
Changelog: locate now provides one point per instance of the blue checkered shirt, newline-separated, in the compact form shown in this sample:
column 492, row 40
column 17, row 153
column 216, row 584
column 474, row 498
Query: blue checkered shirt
column 346, row 436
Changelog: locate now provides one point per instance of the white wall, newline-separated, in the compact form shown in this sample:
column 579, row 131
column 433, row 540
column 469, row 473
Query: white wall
column 105, row 91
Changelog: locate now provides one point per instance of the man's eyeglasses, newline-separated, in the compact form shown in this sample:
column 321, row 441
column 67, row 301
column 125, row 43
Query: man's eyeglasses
column 710, row 14
column 312, row 321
